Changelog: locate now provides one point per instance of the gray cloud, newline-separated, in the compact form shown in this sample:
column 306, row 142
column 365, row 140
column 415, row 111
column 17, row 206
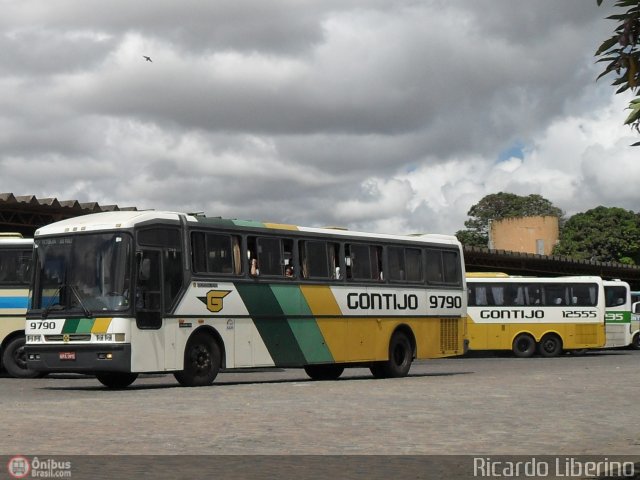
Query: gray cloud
column 308, row 112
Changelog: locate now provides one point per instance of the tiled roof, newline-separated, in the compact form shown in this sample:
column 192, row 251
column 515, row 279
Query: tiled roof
column 9, row 199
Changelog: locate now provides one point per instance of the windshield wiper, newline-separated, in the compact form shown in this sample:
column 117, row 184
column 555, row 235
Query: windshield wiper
column 58, row 306
column 85, row 310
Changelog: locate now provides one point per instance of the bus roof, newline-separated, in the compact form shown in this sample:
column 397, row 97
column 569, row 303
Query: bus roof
column 14, row 239
column 519, row 279
column 129, row 219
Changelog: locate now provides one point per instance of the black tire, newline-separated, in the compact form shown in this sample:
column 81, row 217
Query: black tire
column 324, row 372
column 550, row 345
column 524, row 346
column 377, row 370
column 635, row 343
column 14, row 360
column 400, row 358
column 202, row 360
column 116, row 379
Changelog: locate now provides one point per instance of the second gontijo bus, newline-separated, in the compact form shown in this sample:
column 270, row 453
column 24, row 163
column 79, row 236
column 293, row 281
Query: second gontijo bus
column 622, row 326
column 121, row 293
column 529, row 314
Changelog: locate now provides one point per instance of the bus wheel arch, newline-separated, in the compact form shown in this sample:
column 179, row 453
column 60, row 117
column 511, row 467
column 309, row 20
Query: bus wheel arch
column 202, row 359
column 406, row 330
column 14, row 358
column 523, row 345
column 209, row 330
column 550, row 345
column 402, row 351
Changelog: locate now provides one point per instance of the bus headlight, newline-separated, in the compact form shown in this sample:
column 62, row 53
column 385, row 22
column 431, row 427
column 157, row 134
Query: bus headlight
column 33, row 338
column 104, row 337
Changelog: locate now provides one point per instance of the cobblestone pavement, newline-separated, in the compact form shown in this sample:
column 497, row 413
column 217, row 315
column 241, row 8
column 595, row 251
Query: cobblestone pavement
column 483, row 405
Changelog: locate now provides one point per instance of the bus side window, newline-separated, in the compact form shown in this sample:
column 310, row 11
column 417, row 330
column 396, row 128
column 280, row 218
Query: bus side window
column 364, row 262
column 434, row 266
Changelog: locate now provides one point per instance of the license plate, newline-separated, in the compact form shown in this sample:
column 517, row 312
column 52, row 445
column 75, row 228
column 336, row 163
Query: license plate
column 67, row 355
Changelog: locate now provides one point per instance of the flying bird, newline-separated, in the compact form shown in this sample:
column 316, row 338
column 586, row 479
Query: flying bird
column 148, row 59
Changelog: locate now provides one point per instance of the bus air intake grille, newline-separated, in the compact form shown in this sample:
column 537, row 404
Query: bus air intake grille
column 449, row 334
column 73, row 337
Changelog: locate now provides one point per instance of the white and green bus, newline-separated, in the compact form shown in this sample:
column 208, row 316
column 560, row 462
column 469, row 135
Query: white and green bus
column 15, row 274
column 535, row 314
column 622, row 326
column 117, row 294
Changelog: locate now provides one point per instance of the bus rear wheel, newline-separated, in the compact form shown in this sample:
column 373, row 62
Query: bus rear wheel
column 202, row 360
column 14, row 360
column 550, row 346
column 116, row 379
column 400, row 358
column 324, row 372
column 523, row 346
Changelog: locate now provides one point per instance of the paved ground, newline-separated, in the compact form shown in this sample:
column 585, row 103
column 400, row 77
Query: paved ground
column 485, row 405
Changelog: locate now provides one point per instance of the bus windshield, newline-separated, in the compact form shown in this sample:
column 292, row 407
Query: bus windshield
column 85, row 275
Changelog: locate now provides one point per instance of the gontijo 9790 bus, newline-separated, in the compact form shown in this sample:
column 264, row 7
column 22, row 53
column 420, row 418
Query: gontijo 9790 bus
column 525, row 314
column 121, row 293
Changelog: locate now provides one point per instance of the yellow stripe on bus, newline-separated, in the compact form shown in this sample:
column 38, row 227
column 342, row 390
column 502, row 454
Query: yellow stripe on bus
column 14, row 292
column 101, row 325
column 281, row 226
column 322, row 303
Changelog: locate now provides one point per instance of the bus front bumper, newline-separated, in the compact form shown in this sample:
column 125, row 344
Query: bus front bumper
column 110, row 357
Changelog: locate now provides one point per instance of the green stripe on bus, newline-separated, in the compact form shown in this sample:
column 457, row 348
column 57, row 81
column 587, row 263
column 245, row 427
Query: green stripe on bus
column 85, row 325
column 248, row 223
column 269, row 319
column 617, row 317
column 70, row 325
column 305, row 330
column 219, row 222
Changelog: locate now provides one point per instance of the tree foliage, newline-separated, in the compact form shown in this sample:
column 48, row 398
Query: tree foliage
column 602, row 234
column 621, row 54
column 498, row 206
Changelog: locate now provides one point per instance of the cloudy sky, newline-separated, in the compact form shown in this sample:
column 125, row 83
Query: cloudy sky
column 388, row 116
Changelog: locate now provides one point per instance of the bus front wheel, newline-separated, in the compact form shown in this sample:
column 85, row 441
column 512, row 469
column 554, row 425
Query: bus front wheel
column 524, row 346
column 116, row 379
column 14, row 359
column 550, row 346
column 202, row 360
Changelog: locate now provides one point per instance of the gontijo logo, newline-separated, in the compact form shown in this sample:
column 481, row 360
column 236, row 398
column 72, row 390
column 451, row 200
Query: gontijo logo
column 213, row 300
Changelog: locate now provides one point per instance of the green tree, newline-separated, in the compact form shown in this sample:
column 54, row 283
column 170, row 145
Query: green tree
column 621, row 54
column 602, row 234
column 498, row 206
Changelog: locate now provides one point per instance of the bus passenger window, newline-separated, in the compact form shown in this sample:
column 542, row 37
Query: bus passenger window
column 273, row 255
column 434, row 267
column 364, row 262
column 395, row 261
column 313, row 257
column 215, row 253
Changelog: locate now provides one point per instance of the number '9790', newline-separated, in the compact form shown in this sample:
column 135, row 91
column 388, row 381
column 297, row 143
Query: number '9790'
column 445, row 301
column 42, row 325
